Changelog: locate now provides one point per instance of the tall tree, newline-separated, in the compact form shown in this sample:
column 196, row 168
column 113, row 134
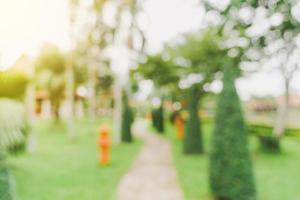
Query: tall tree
column 50, row 76
column 70, row 80
column 202, row 57
column 270, row 28
column 129, row 49
column 164, row 74
column 193, row 62
column 98, row 41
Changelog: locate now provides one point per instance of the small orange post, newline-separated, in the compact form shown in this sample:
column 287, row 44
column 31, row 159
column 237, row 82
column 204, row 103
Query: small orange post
column 104, row 145
column 179, row 124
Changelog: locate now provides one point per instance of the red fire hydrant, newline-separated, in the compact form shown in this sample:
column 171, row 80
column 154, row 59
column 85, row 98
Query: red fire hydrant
column 104, row 145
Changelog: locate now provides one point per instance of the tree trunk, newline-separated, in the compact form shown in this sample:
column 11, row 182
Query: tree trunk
column 30, row 110
column 92, row 90
column 117, row 110
column 70, row 100
column 127, row 120
column 55, row 107
column 282, row 112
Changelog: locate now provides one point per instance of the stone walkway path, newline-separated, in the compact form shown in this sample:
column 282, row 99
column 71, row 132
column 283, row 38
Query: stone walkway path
column 152, row 176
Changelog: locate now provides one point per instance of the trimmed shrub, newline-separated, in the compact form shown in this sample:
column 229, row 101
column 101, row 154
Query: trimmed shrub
column 154, row 118
column 193, row 137
column 12, row 84
column 127, row 120
column 231, row 176
column 269, row 144
column 13, row 126
column 173, row 116
column 160, row 126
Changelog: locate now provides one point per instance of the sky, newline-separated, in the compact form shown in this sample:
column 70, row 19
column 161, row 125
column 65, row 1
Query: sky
column 25, row 25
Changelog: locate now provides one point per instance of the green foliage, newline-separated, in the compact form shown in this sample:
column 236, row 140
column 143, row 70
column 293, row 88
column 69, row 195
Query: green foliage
column 154, row 117
column 13, row 125
column 7, row 189
column 50, row 58
column 50, row 76
column 12, row 84
column 158, row 119
column 127, row 120
column 173, row 116
column 193, row 137
column 98, row 4
column 288, row 26
column 80, row 74
column 160, row 124
column 105, row 82
column 201, row 53
column 266, row 130
column 231, row 175
column 160, row 70
column 198, row 54
column 269, row 144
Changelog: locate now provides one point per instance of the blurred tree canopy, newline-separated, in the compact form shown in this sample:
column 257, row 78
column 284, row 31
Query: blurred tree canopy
column 199, row 54
column 50, row 58
column 196, row 60
column 12, row 84
column 50, row 75
column 162, row 71
column 264, row 31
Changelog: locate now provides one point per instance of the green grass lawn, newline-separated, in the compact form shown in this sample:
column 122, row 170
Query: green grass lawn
column 63, row 170
column 277, row 176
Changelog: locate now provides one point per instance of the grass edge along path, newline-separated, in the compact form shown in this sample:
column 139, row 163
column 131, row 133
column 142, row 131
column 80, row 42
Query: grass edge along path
column 152, row 175
column 64, row 170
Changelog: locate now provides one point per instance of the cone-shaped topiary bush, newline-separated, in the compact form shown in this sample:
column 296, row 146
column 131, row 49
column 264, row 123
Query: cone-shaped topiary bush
column 154, row 118
column 127, row 120
column 160, row 127
column 231, row 175
column 192, row 138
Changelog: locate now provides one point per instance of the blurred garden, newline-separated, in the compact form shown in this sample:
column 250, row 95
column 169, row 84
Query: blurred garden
column 150, row 100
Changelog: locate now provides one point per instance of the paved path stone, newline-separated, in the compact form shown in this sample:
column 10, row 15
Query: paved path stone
column 152, row 175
